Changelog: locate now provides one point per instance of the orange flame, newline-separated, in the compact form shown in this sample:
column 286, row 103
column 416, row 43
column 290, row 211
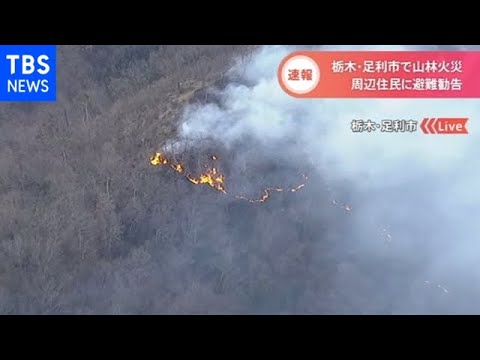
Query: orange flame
column 178, row 168
column 159, row 159
column 268, row 191
column 265, row 196
column 213, row 178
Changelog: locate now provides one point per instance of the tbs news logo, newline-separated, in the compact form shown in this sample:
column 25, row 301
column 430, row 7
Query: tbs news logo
column 28, row 73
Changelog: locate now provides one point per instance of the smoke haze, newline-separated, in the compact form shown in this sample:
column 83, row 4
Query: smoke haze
column 413, row 228
column 385, row 224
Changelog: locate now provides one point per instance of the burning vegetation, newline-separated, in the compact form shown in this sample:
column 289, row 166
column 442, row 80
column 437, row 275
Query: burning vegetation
column 215, row 179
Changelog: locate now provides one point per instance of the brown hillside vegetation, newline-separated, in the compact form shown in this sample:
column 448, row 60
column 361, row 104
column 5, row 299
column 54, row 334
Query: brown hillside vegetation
column 74, row 180
column 88, row 226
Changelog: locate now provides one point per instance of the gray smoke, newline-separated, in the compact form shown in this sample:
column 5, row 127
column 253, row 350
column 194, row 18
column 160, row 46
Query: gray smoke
column 422, row 190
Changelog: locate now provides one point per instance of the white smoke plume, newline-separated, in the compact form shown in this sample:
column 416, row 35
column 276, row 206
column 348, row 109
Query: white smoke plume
column 423, row 188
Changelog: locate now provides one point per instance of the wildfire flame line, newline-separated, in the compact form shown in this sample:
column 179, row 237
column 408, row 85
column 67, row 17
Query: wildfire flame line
column 213, row 178
column 268, row 191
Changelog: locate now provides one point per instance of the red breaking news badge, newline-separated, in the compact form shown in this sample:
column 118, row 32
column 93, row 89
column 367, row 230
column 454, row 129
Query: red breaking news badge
column 299, row 75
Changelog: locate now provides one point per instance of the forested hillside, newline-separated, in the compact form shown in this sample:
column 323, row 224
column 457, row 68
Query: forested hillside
column 81, row 207
column 89, row 226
